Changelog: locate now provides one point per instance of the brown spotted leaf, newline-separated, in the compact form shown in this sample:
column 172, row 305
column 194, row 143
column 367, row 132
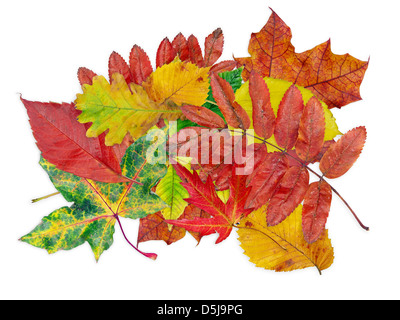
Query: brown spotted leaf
column 213, row 47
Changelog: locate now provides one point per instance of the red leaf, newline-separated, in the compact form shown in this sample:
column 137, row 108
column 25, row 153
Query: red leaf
column 316, row 206
column 310, row 139
column 140, row 65
column 226, row 65
column 85, row 76
column 213, row 47
column 265, row 179
column 288, row 195
column 340, row 156
column 62, row 141
column 117, row 64
column 263, row 114
column 180, row 46
column 165, row 53
column 205, row 197
column 203, row 116
column 195, row 55
column 223, row 94
column 288, row 118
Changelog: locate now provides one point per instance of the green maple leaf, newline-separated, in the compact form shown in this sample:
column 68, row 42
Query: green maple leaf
column 98, row 205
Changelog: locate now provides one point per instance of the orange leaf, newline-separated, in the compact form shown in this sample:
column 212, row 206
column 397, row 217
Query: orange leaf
column 288, row 119
column 311, row 131
column 140, row 65
column 263, row 114
column 335, row 79
column 288, row 195
column 223, row 94
column 213, row 47
column 340, row 156
column 317, row 203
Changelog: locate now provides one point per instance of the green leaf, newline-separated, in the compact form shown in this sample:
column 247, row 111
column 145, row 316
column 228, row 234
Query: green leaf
column 173, row 194
column 97, row 205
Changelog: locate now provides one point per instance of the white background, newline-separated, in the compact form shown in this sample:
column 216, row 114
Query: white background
column 43, row 43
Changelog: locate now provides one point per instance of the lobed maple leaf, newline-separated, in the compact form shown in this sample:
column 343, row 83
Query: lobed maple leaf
column 335, row 79
column 204, row 196
column 98, row 205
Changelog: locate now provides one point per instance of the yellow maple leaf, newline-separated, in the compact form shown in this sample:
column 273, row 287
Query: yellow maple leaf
column 178, row 82
column 120, row 109
column 282, row 247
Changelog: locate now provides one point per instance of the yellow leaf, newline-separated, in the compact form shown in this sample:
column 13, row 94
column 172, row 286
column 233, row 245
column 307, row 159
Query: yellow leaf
column 179, row 82
column 120, row 109
column 277, row 89
column 282, row 247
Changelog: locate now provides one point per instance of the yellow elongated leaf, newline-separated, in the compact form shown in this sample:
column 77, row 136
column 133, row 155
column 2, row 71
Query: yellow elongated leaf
column 120, row 109
column 282, row 247
column 178, row 82
column 170, row 190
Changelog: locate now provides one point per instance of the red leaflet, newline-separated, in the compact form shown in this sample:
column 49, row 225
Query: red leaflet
column 213, row 47
column 195, row 55
column 203, row 116
column 311, row 131
column 205, row 197
column 226, row 65
column 62, row 141
column 117, row 64
column 288, row 118
column 165, row 53
column 263, row 115
column 140, row 65
column 340, row 156
column 180, row 46
column 288, row 195
column 265, row 179
column 223, row 94
column 85, row 76
column 316, row 206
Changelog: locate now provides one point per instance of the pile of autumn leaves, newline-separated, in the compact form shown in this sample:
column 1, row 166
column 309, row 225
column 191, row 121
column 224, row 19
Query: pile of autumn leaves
column 275, row 102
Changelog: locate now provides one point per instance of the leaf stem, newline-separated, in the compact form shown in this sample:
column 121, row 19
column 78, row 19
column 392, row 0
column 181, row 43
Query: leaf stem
column 152, row 256
column 45, row 197
column 315, row 173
